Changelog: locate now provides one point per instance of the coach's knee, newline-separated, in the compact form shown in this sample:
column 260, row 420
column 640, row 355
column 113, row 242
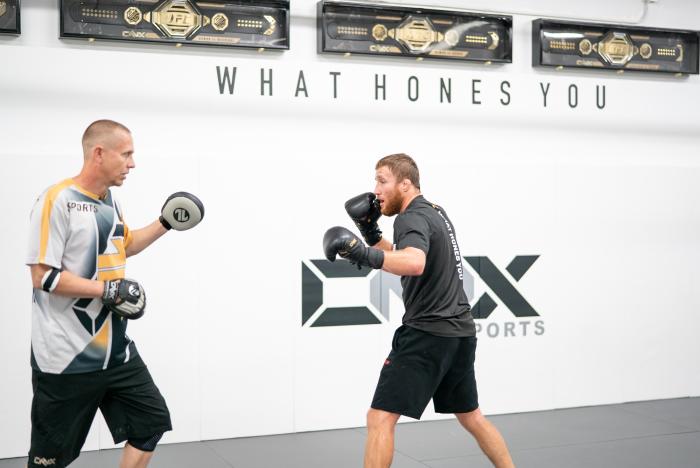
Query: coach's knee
column 147, row 444
column 471, row 421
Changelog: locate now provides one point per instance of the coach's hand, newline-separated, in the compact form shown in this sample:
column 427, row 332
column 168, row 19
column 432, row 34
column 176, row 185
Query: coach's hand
column 365, row 210
column 343, row 242
column 181, row 211
column 125, row 297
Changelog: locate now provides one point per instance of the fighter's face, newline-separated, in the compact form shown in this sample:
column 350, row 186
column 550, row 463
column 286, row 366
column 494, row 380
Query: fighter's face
column 387, row 192
column 117, row 158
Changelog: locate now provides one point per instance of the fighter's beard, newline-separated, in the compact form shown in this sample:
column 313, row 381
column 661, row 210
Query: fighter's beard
column 392, row 205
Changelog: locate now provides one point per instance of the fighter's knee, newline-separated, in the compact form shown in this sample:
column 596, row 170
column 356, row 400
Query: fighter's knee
column 471, row 420
column 373, row 418
column 380, row 420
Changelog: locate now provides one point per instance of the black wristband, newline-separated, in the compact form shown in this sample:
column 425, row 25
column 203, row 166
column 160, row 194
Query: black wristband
column 165, row 224
column 375, row 258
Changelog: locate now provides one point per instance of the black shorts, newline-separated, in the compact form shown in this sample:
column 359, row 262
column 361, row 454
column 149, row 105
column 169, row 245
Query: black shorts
column 422, row 366
column 64, row 406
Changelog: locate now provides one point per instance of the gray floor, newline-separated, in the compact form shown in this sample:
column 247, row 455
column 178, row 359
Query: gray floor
column 654, row 434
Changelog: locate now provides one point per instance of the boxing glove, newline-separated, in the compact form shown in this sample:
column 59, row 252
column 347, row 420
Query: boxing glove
column 365, row 210
column 341, row 241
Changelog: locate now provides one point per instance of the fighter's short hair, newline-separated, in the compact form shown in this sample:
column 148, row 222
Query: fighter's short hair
column 402, row 166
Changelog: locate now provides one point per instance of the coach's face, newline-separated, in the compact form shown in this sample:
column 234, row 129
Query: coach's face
column 387, row 192
column 117, row 157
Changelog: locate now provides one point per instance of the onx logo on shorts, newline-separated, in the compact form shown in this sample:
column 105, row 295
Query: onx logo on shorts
column 44, row 461
column 338, row 293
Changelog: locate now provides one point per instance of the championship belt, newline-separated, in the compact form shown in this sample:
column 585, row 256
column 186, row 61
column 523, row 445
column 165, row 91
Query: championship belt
column 602, row 46
column 617, row 48
column 374, row 29
column 9, row 17
column 178, row 21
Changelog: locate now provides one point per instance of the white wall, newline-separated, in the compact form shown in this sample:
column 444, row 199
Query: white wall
column 607, row 198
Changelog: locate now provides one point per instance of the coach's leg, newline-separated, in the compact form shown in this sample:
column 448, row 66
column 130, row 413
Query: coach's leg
column 488, row 437
column 138, row 452
column 134, row 458
column 379, row 449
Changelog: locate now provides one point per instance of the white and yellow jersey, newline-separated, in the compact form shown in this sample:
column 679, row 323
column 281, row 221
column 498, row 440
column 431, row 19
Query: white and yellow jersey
column 77, row 231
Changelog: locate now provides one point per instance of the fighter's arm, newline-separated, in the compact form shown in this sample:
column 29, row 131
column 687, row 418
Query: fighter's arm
column 69, row 284
column 142, row 238
column 412, row 243
column 409, row 261
column 384, row 245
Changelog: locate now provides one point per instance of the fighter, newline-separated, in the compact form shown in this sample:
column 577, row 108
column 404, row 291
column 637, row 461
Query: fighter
column 433, row 352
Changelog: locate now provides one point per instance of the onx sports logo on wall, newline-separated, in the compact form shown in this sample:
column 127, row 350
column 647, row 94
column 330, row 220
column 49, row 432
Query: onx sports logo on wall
column 525, row 320
column 338, row 293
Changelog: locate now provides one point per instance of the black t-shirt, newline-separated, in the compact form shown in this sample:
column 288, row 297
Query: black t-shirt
column 435, row 301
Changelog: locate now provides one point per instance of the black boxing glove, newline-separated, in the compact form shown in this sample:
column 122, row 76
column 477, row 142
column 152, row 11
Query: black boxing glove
column 341, row 241
column 181, row 211
column 365, row 210
column 125, row 298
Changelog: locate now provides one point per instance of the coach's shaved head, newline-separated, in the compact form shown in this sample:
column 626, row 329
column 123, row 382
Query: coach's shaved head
column 100, row 132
